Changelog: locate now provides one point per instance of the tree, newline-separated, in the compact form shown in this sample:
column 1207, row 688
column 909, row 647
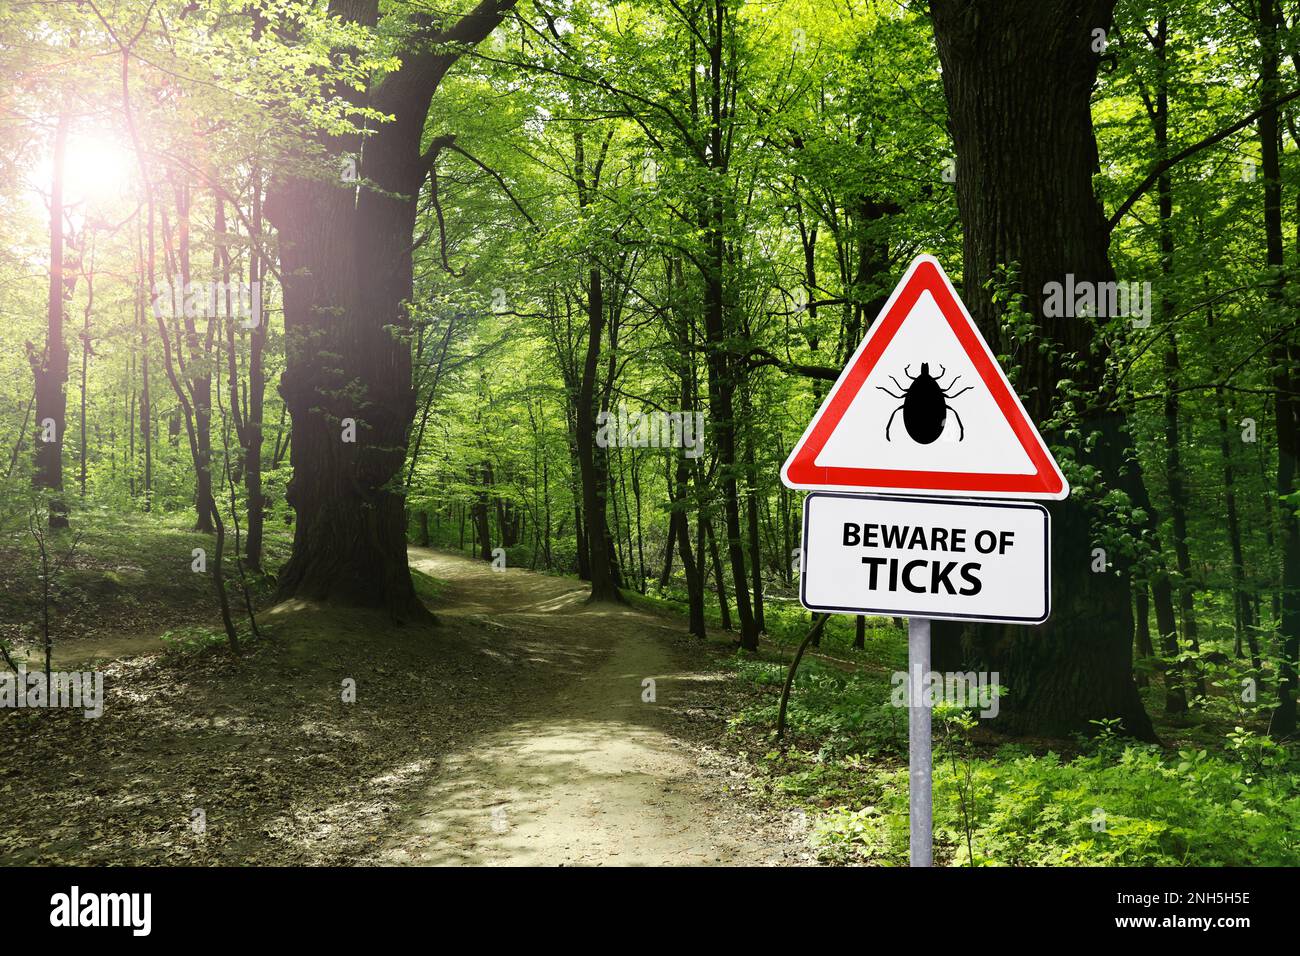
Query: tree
column 1022, row 130
column 345, row 254
column 50, row 367
column 1286, row 358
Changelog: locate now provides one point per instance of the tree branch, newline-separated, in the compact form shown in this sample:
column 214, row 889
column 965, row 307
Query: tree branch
column 495, row 175
column 1165, row 165
column 759, row 357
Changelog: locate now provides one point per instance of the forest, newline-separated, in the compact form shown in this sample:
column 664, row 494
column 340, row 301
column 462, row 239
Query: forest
column 394, row 397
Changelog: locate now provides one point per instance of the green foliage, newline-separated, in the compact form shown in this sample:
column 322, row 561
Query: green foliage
column 192, row 639
column 584, row 144
column 428, row 588
column 1114, row 804
column 845, row 709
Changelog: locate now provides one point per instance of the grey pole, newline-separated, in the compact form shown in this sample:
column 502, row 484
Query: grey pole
column 918, row 739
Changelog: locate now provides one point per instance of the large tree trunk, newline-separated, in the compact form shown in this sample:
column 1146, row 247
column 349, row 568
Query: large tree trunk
column 347, row 376
column 347, row 272
column 1018, row 75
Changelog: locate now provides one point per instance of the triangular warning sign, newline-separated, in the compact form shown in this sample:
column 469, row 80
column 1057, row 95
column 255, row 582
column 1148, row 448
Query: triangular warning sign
column 923, row 408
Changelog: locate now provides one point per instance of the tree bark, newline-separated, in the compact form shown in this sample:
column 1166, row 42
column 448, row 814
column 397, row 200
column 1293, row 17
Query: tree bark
column 1018, row 75
column 691, row 567
column 346, row 256
column 594, row 484
column 600, row 553
column 146, row 405
column 1243, row 613
column 719, row 360
column 671, row 543
column 482, row 526
column 1162, row 595
column 751, row 512
column 196, row 370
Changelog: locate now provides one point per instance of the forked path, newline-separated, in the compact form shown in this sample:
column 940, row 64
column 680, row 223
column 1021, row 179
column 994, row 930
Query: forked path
column 588, row 772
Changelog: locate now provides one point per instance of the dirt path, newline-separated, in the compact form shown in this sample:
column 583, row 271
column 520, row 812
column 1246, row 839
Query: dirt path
column 595, row 774
column 513, row 732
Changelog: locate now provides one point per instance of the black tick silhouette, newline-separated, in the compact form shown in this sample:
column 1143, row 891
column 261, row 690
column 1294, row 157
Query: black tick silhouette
column 925, row 405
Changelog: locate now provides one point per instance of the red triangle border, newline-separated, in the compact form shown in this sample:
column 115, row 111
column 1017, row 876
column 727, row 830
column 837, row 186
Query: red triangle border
column 924, row 276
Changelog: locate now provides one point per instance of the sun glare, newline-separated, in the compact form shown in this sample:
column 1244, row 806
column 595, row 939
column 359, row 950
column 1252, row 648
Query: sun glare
column 97, row 170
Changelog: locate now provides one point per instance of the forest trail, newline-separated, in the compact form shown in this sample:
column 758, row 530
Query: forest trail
column 593, row 775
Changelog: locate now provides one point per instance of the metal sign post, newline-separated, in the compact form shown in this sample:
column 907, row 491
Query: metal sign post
column 918, row 740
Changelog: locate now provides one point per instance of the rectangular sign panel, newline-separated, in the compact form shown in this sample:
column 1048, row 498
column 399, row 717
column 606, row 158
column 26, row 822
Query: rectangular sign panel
column 919, row 557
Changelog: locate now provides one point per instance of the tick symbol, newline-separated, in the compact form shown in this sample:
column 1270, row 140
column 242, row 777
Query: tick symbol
column 925, row 405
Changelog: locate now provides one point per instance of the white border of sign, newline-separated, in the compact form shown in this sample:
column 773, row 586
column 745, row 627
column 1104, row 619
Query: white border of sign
column 960, row 502
column 956, row 477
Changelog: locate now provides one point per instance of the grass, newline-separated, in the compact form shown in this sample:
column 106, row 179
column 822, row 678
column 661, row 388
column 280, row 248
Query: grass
column 1219, row 793
column 1223, row 794
column 429, row 589
column 263, row 750
column 128, row 575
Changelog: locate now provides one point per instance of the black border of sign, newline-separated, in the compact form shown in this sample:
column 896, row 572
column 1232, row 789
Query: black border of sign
column 981, row 502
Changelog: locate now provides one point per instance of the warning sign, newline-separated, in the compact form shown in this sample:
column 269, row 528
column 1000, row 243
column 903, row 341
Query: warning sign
column 923, row 408
column 926, row 557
